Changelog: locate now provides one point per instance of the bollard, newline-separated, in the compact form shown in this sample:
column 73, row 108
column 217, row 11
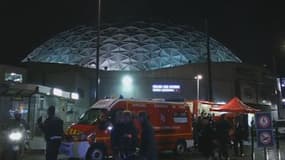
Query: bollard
column 252, row 144
column 277, row 143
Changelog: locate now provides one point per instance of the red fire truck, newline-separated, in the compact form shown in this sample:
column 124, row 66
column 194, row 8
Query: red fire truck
column 171, row 121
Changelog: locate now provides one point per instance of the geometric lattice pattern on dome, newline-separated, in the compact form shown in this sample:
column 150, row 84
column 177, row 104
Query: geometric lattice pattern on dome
column 134, row 46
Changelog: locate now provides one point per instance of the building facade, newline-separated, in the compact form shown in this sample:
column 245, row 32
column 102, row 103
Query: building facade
column 253, row 85
column 32, row 99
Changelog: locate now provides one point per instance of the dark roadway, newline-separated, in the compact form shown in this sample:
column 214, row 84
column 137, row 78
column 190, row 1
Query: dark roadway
column 191, row 155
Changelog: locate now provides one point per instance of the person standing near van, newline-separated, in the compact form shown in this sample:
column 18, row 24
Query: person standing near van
column 222, row 131
column 124, row 137
column 53, row 130
column 148, row 150
column 239, row 136
column 116, row 132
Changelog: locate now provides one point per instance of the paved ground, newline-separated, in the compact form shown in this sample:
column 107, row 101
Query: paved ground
column 163, row 156
column 193, row 155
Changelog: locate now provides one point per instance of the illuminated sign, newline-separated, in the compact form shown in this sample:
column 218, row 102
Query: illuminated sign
column 165, row 88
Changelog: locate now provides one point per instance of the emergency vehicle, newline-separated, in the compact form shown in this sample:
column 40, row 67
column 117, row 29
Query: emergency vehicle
column 90, row 136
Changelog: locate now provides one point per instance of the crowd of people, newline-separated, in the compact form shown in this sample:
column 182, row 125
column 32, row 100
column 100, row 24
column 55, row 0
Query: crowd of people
column 124, row 137
column 214, row 138
column 211, row 137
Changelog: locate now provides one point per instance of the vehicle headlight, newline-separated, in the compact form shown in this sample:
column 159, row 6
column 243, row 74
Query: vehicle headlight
column 109, row 128
column 15, row 136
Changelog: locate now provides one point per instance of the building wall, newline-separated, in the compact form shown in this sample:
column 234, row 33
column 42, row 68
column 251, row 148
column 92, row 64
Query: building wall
column 4, row 111
column 8, row 102
column 68, row 78
column 32, row 103
column 183, row 76
column 252, row 84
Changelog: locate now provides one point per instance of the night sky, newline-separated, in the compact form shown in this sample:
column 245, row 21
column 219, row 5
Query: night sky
column 253, row 30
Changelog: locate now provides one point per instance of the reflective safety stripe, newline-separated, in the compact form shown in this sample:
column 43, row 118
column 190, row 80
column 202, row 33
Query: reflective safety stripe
column 72, row 131
column 55, row 137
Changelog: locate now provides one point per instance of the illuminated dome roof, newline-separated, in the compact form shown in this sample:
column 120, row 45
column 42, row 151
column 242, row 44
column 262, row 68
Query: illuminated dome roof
column 133, row 46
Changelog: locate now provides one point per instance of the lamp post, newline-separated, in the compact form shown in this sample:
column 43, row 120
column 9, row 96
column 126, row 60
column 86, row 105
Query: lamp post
column 98, row 51
column 198, row 77
column 209, row 65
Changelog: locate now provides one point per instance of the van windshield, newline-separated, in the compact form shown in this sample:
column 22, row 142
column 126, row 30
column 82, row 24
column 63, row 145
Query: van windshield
column 92, row 116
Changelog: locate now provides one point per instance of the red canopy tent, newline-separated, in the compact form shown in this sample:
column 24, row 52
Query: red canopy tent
column 235, row 105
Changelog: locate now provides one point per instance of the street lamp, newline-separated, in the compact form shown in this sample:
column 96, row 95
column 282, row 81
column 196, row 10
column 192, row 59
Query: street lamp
column 98, row 51
column 198, row 77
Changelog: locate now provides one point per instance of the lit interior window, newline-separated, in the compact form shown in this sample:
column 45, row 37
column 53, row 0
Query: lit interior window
column 14, row 77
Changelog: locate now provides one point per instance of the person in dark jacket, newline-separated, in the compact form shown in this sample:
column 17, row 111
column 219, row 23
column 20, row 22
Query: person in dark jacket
column 116, row 132
column 20, row 121
column 206, row 142
column 53, row 130
column 124, row 137
column 148, row 150
column 239, row 136
column 222, row 131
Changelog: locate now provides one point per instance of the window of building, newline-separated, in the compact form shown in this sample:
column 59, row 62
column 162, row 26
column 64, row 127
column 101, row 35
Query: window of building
column 14, row 77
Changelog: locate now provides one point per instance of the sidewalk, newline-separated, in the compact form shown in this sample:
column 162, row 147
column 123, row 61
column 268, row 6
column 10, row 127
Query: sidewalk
column 259, row 153
column 37, row 144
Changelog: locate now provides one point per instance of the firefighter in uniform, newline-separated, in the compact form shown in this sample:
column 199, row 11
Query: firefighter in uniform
column 53, row 130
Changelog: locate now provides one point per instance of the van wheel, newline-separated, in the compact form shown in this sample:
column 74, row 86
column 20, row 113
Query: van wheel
column 95, row 152
column 180, row 147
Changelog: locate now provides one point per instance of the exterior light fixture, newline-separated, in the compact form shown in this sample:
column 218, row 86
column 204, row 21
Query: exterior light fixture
column 221, row 102
column 127, row 84
column 198, row 77
column 57, row 92
column 74, row 96
column 127, row 80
